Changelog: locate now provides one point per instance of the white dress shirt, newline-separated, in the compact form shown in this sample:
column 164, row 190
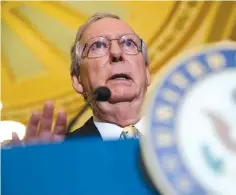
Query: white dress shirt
column 111, row 131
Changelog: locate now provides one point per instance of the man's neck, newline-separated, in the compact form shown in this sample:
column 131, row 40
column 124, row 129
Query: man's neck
column 122, row 114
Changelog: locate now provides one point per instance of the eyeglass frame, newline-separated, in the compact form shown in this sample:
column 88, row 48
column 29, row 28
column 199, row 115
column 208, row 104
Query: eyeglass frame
column 139, row 49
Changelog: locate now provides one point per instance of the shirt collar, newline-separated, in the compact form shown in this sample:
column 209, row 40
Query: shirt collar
column 113, row 131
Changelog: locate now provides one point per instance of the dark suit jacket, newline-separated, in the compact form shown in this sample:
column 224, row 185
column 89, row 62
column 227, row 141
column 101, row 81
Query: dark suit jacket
column 87, row 130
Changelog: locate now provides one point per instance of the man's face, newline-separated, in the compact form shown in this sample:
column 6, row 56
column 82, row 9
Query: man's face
column 125, row 75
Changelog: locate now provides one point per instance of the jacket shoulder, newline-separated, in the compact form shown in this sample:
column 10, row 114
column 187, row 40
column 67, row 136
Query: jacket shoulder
column 88, row 129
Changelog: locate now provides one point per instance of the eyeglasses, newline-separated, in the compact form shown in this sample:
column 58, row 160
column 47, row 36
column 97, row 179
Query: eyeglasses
column 97, row 47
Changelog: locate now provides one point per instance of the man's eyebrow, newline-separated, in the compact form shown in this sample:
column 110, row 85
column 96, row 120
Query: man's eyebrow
column 109, row 36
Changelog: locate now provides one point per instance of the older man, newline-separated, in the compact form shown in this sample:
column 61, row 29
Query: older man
column 106, row 52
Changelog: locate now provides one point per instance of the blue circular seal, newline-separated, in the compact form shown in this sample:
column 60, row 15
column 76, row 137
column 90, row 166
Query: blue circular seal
column 190, row 143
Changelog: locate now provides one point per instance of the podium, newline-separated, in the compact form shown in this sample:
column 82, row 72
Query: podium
column 75, row 167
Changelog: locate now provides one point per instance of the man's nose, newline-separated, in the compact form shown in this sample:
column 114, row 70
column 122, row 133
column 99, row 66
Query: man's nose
column 116, row 54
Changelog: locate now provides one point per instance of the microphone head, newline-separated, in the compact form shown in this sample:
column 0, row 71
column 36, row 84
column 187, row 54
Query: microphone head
column 102, row 94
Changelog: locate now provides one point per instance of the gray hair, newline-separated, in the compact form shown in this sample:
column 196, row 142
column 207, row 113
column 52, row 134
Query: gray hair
column 76, row 49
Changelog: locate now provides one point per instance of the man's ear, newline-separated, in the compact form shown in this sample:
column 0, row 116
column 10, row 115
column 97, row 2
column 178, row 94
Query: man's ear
column 148, row 76
column 77, row 85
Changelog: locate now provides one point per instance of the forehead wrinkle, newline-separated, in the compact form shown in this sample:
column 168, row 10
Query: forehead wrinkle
column 89, row 31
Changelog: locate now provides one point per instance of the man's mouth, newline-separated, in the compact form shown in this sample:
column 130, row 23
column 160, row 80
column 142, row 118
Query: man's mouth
column 120, row 76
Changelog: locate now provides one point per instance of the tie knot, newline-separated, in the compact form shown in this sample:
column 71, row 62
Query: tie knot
column 129, row 132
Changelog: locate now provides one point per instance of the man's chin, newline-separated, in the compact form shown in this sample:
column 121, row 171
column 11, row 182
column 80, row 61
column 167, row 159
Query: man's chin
column 122, row 92
column 116, row 98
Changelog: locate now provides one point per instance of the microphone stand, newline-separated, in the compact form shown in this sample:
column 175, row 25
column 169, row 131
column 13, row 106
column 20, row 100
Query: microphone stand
column 79, row 114
column 99, row 94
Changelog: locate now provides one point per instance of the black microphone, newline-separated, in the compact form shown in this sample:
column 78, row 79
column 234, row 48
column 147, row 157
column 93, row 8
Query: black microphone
column 99, row 94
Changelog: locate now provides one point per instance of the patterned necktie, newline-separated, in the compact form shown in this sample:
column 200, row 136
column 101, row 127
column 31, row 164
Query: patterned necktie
column 130, row 132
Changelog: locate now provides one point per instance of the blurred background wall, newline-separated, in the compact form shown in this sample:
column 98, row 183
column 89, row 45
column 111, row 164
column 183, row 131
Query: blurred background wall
column 37, row 36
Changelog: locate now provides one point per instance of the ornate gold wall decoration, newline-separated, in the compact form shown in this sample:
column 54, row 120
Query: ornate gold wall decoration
column 36, row 39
